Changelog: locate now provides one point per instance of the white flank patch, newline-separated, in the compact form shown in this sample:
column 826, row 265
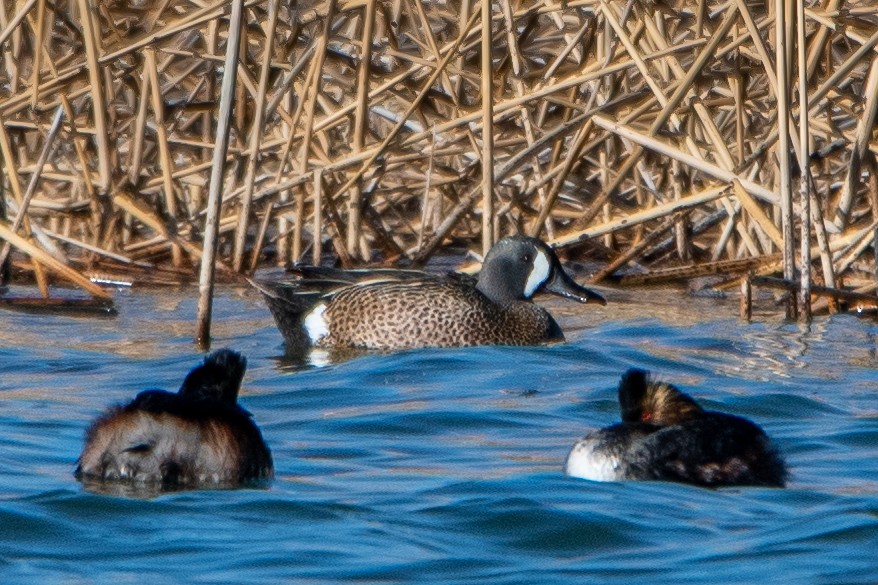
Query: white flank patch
column 315, row 323
column 539, row 272
column 583, row 462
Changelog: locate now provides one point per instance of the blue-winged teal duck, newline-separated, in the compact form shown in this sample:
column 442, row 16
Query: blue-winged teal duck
column 198, row 437
column 665, row 435
column 408, row 309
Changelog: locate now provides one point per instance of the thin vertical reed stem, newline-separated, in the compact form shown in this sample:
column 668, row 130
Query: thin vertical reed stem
column 783, row 149
column 260, row 239
column 38, row 53
column 571, row 159
column 360, row 121
column 9, row 163
column 487, row 130
column 413, row 105
column 861, row 145
column 158, row 109
column 99, row 108
column 310, row 102
column 137, row 141
column 298, row 224
column 804, row 169
column 6, row 265
column 256, row 132
column 214, row 199
column 317, row 239
column 818, row 41
column 746, row 310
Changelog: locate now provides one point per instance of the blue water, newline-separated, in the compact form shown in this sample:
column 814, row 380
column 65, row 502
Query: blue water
column 444, row 466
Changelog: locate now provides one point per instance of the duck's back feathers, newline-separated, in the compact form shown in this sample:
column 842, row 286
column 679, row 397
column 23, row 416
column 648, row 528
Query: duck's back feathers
column 327, row 278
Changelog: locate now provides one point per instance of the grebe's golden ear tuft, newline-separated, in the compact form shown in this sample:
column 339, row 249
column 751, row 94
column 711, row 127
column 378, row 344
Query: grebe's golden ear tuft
column 642, row 399
column 665, row 405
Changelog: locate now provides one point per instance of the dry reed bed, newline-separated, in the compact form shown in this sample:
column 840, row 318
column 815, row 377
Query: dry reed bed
column 651, row 128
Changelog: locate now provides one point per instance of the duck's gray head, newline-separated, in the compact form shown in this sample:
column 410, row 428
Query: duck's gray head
column 518, row 267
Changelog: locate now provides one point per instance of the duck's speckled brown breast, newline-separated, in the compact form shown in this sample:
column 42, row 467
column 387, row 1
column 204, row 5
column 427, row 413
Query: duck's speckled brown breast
column 431, row 314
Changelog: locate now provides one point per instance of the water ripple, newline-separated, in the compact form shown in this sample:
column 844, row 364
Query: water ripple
column 444, row 466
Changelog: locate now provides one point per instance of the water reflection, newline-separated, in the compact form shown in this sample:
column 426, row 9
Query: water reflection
column 145, row 490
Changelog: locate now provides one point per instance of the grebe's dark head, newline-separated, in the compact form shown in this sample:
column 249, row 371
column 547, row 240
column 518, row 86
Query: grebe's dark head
column 643, row 400
column 218, row 378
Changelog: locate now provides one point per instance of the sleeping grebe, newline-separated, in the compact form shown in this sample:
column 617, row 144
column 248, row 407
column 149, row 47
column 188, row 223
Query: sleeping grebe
column 198, row 437
column 665, row 435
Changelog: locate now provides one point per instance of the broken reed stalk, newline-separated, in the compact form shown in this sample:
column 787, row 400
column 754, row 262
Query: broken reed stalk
column 634, row 251
column 310, row 103
column 317, row 215
column 16, row 20
column 48, row 146
column 38, row 53
column 211, row 222
column 52, row 264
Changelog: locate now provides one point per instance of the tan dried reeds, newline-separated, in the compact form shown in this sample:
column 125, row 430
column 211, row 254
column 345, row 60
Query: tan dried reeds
column 385, row 130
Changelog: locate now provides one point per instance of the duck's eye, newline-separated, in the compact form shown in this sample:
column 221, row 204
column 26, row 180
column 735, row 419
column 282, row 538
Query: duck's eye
column 527, row 258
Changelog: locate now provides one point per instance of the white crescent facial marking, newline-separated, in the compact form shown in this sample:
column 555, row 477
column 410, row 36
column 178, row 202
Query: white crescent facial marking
column 540, row 270
column 315, row 323
column 584, row 463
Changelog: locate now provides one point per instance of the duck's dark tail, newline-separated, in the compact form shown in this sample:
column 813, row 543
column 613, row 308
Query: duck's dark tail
column 289, row 303
column 218, row 378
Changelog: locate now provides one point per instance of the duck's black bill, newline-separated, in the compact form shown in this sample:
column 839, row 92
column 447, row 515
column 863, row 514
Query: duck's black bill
column 564, row 286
